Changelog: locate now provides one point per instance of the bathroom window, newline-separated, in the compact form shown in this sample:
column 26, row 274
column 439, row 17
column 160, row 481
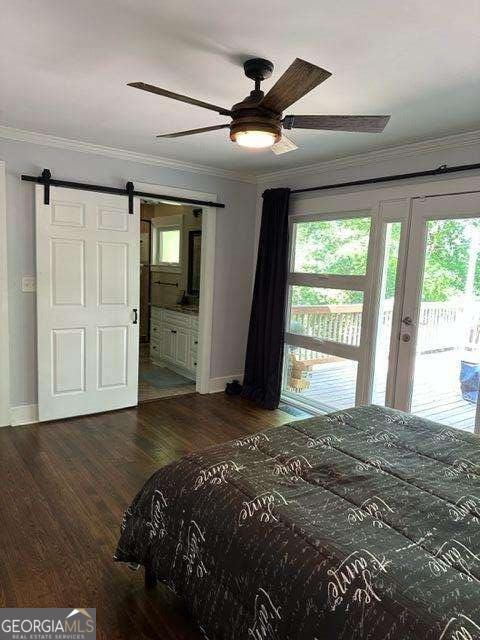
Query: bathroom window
column 166, row 247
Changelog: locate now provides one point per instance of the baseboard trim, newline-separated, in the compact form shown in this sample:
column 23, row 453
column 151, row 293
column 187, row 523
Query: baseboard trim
column 23, row 414
column 218, row 384
column 28, row 413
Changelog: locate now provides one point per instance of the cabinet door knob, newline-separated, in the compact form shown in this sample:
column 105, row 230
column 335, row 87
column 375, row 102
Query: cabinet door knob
column 173, row 330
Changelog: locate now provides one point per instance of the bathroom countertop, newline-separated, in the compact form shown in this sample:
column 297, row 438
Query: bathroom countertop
column 180, row 308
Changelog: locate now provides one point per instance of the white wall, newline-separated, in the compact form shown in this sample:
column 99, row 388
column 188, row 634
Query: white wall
column 234, row 249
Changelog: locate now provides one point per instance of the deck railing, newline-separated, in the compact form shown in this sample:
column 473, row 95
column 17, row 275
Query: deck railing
column 443, row 326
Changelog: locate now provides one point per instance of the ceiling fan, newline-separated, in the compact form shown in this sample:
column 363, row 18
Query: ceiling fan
column 257, row 121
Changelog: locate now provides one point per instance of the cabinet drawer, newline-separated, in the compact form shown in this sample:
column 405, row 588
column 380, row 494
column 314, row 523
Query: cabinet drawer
column 155, row 349
column 179, row 319
column 155, row 330
column 156, row 313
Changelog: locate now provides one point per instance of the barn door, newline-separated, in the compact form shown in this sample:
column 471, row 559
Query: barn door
column 87, row 302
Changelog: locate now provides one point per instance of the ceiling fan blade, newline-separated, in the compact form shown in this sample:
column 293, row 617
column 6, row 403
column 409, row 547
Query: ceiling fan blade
column 284, row 145
column 178, row 96
column 367, row 124
column 191, row 132
column 300, row 78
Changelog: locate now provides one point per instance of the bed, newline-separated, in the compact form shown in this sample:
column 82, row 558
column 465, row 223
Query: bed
column 360, row 524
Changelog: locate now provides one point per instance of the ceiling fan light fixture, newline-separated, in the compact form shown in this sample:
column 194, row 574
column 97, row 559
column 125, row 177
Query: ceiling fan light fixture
column 255, row 139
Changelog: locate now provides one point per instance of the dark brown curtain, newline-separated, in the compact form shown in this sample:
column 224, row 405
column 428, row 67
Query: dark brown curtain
column 263, row 362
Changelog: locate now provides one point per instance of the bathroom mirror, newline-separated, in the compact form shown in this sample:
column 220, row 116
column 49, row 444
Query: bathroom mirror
column 194, row 257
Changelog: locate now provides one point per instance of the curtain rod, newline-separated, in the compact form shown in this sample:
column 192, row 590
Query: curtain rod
column 129, row 191
column 442, row 170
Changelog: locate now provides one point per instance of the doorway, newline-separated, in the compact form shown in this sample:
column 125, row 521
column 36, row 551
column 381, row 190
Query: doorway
column 88, row 300
column 437, row 368
column 170, row 252
column 384, row 307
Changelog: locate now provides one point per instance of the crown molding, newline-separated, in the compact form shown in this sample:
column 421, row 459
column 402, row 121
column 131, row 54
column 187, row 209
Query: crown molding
column 444, row 143
column 381, row 155
column 22, row 135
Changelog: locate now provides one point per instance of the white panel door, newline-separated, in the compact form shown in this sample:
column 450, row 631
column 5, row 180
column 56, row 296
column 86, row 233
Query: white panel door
column 87, row 290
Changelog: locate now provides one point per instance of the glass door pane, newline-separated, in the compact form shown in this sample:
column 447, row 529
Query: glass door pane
column 388, row 291
column 327, row 314
column 447, row 352
column 318, row 379
column 325, row 319
column 338, row 246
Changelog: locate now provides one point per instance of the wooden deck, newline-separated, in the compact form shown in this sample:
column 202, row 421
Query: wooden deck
column 436, row 392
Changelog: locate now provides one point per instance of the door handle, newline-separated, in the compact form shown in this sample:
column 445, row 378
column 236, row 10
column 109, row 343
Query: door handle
column 135, row 316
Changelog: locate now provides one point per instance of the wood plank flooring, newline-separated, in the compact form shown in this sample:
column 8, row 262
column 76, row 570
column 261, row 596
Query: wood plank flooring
column 63, row 489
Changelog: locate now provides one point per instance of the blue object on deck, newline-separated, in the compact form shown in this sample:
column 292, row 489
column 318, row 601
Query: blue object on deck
column 469, row 380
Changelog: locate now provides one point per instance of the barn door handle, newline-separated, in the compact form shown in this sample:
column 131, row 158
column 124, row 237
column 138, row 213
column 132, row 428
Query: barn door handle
column 135, row 316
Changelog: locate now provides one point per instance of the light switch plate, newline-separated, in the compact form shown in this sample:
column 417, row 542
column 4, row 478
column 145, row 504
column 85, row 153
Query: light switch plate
column 29, row 284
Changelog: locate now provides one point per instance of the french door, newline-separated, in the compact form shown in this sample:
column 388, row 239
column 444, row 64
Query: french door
column 438, row 357
column 384, row 307
column 87, row 302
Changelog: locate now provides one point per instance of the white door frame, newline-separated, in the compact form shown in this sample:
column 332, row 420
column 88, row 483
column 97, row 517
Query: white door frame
column 207, row 273
column 4, row 334
column 329, row 281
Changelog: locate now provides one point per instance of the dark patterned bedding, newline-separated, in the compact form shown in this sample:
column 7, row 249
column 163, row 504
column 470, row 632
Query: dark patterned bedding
column 361, row 524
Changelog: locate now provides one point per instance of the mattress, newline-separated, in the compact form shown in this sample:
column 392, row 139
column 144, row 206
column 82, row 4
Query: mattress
column 360, row 524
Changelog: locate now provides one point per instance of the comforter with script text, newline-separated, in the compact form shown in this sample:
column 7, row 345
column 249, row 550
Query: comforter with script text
column 361, row 524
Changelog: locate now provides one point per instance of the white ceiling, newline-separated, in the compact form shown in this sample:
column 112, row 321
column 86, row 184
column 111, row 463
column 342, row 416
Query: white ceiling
column 64, row 67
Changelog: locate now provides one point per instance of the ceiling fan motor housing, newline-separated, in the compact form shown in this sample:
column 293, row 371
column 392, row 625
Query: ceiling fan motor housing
column 248, row 115
column 254, row 119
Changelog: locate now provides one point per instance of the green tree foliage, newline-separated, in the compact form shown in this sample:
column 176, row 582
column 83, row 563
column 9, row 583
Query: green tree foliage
column 341, row 246
column 448, row 244
column 335, row 247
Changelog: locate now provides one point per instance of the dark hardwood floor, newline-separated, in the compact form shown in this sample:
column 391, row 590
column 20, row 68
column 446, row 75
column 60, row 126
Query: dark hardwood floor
column 63, row 489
